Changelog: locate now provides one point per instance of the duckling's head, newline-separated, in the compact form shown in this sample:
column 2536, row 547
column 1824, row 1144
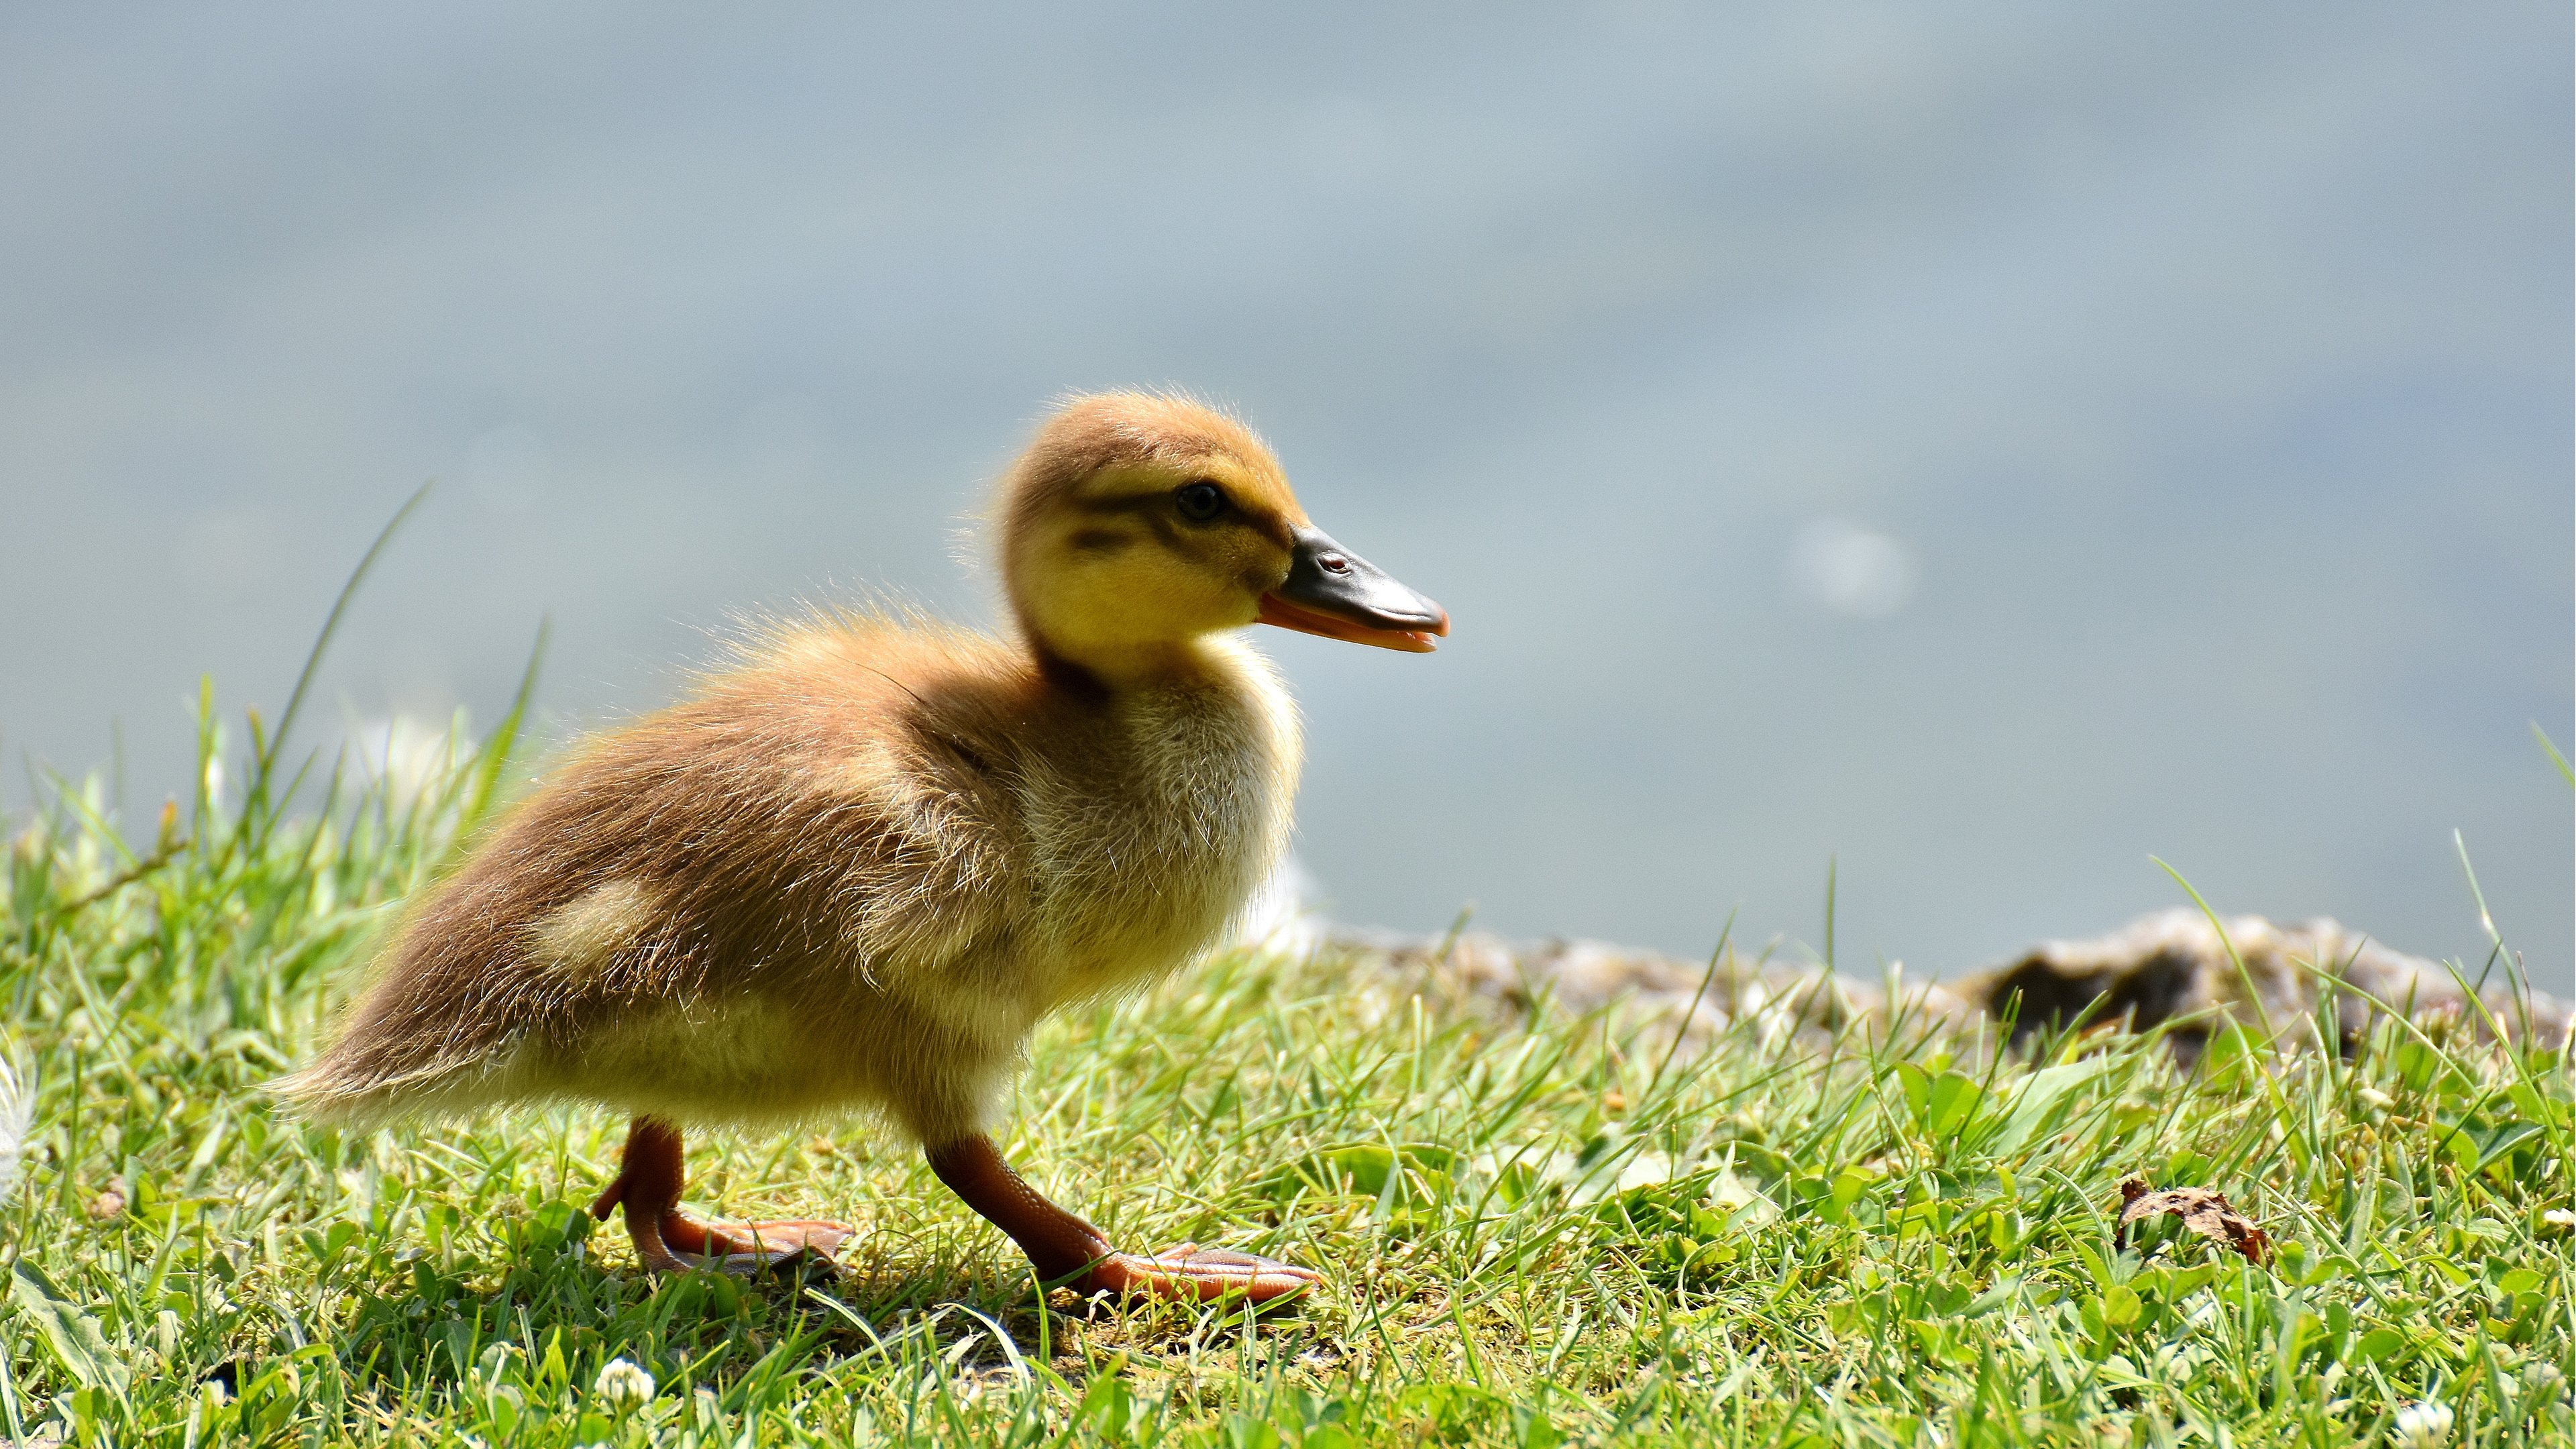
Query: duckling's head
column 1137, row 522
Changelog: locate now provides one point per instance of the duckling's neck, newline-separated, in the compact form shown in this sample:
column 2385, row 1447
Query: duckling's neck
column 1104, row 671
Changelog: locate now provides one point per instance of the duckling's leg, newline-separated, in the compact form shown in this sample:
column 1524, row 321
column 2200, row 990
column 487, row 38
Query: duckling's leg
column 1064, row 1248
column 648, row 1186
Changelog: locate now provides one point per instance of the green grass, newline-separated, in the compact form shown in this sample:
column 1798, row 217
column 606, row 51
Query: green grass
column 1538, row 1230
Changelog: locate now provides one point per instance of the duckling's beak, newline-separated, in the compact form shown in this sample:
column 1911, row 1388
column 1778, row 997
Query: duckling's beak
column 1336, row 593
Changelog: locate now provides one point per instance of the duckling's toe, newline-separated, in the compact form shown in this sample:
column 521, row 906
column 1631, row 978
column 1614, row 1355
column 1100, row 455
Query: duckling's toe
column 1192, row 1273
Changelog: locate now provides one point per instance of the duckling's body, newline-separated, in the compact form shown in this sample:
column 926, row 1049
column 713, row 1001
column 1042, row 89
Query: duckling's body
column 852, row 874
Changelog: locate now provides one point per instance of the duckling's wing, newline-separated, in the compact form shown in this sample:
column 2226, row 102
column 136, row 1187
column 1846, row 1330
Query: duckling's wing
column 793, row 835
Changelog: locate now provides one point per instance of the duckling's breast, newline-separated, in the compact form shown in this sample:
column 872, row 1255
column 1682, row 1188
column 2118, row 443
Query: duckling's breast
column 1149, row 837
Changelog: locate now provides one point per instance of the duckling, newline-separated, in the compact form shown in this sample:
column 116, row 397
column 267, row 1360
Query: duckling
column 853, row 872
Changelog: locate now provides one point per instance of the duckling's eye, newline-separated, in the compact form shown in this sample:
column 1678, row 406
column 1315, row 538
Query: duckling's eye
column 1200, row 501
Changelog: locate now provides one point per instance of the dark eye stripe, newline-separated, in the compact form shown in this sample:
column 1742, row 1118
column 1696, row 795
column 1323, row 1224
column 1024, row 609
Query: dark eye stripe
column 1130, row 503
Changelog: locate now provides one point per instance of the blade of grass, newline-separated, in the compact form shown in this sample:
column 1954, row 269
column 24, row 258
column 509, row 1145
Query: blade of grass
column 259, row 811
column 2566, row 771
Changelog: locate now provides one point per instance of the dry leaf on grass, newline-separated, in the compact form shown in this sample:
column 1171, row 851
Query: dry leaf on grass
column 2201, row 1210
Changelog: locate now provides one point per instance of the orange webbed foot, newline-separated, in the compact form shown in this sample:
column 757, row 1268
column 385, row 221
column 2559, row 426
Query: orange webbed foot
column 1190, row 1273
column 1065, row 1249
column 746, row 1245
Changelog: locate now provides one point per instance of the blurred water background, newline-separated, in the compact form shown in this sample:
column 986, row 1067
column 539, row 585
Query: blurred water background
column 1983, row 445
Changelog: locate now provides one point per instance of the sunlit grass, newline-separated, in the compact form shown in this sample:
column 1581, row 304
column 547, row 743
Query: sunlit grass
column 1537, row 1230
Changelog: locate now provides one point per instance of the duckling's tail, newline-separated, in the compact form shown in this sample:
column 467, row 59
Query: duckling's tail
column 322, row 1096
column 423, row 1040
column 344, row 1089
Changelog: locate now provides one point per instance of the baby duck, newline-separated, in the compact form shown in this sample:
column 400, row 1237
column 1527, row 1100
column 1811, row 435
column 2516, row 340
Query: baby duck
column 852, row 873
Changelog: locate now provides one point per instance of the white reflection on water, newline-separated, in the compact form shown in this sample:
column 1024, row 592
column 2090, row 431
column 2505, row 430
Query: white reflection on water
column 1850, row 570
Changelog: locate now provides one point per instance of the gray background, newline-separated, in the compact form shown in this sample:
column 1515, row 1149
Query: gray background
column 1986, row 443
